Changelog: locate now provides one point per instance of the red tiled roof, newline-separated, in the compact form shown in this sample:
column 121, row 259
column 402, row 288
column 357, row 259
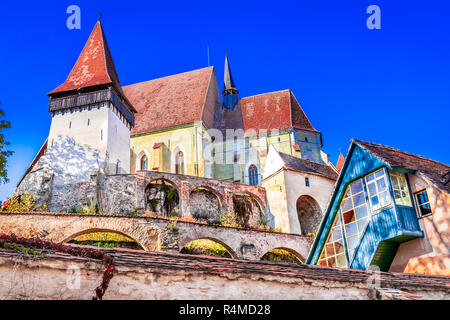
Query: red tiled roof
column 94, row 66
column 157, row 145
column 274, row 110
column 305, row 165
column 170, row 101
column 340, row 162
column 435, row 171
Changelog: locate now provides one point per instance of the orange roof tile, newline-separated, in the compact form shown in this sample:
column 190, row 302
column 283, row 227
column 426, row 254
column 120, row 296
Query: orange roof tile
column 274, row 110
column 170, row 101
column 93, row 67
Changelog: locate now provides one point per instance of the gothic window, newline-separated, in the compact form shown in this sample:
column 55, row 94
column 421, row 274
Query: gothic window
column 253, row 175
column 179, row 163
column 144, row 163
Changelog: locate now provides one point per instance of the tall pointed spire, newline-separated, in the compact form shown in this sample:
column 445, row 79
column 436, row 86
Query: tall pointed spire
column 94, row 66
column 230, row 93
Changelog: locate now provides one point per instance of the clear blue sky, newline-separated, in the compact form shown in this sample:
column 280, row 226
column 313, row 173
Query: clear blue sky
column 389, row 86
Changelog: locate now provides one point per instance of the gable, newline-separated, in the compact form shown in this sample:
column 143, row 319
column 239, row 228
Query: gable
column 358, row 163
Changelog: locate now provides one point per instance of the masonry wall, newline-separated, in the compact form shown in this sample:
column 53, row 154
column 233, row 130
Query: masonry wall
column 56, row 277
column 430, row 254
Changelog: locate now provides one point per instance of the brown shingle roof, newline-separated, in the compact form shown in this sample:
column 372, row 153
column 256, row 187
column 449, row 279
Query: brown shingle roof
column 170, row 101
column 274, row 110
column 437, row 172
column 305, row 165
column 94, row 66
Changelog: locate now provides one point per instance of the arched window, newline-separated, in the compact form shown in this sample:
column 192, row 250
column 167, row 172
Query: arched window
column 253, row 175
column 179, row 163
column 144, row 163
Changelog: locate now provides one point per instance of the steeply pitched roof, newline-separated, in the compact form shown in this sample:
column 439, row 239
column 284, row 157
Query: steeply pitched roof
column 228, row 81
column 274, row 110
column 437, row 172
column 305, row 165
column 94, row 66
column 170, row 101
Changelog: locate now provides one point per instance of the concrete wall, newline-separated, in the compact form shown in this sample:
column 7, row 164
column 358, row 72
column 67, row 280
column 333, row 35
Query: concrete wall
column 430, row 254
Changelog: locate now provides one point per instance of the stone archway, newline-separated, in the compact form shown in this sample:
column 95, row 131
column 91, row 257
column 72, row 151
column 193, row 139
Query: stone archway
column 309, row 214
column 282, row 254
column 205, row 205
column 163, row 197
column 223, row 250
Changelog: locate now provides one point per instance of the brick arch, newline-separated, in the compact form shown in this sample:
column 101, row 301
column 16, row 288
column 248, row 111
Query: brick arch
column 169, row 182
column 294, row 252
column 208, row 207
column 148, row 236
column 227, row 247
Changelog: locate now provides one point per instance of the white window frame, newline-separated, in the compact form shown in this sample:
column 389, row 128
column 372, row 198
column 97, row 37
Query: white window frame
column 370, row 196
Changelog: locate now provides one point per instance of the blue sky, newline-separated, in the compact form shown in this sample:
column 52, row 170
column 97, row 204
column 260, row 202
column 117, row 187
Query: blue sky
column 389, row 86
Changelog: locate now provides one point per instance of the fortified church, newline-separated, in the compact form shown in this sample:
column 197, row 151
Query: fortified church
column 104, row 136
column 179, row 146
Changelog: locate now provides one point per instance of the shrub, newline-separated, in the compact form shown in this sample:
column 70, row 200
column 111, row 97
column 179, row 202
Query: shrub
column 19, row 203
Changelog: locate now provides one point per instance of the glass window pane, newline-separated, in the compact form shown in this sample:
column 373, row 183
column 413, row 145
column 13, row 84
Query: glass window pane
column 352, row 242
column 385, row 199
column 351, row 229
column 379, row 173
column 341, row 261
column 337, row 234
column 359, row 199
column 381, row 185
column 357, row 187
column 395, row 182
column 375, row 202
column 323, row 263
column 346, row 204
column 361, row 212
column 372, row 188
column 371, row 177
column 348, row 216
column 339, row 246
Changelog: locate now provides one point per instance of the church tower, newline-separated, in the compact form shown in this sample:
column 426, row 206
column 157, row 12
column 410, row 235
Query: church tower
column 230, row 93
column 91, row 117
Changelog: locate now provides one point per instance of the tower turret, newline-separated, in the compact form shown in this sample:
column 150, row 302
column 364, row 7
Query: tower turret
column 230, row 93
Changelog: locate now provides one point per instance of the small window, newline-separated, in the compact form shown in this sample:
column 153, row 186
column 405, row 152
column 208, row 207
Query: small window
column 307, row 182
column 89, row 121
column 306, row 139
column 179, row 163
column 70, row 124
column 424, row 203
column 378, row 190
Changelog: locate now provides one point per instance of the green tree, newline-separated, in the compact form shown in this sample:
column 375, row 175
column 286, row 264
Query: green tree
column 4, row 154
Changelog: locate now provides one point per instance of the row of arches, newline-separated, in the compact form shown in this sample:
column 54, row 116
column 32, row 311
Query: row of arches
column 201, row 246
column 163, row 197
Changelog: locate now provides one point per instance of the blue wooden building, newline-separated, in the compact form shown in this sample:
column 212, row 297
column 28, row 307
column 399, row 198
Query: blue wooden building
column 373, row 211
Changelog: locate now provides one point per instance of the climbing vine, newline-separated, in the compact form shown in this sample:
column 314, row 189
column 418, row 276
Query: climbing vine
column 14, row 242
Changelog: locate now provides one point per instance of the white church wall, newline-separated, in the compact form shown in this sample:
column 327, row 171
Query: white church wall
column 118, row 142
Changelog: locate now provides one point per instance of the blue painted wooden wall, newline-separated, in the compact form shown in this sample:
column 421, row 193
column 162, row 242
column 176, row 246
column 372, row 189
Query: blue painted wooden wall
column 396, row 223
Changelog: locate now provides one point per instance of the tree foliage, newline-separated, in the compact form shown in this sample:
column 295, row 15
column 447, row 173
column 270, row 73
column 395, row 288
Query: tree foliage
column 4, row 154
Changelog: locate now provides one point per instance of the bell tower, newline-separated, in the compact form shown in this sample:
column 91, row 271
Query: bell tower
column 91, row 117
column 230, row 93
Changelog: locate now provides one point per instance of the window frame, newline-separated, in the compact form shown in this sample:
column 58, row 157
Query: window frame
column 388, row 191
column 253, row 175
column 400, row 175
column 419, row 213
